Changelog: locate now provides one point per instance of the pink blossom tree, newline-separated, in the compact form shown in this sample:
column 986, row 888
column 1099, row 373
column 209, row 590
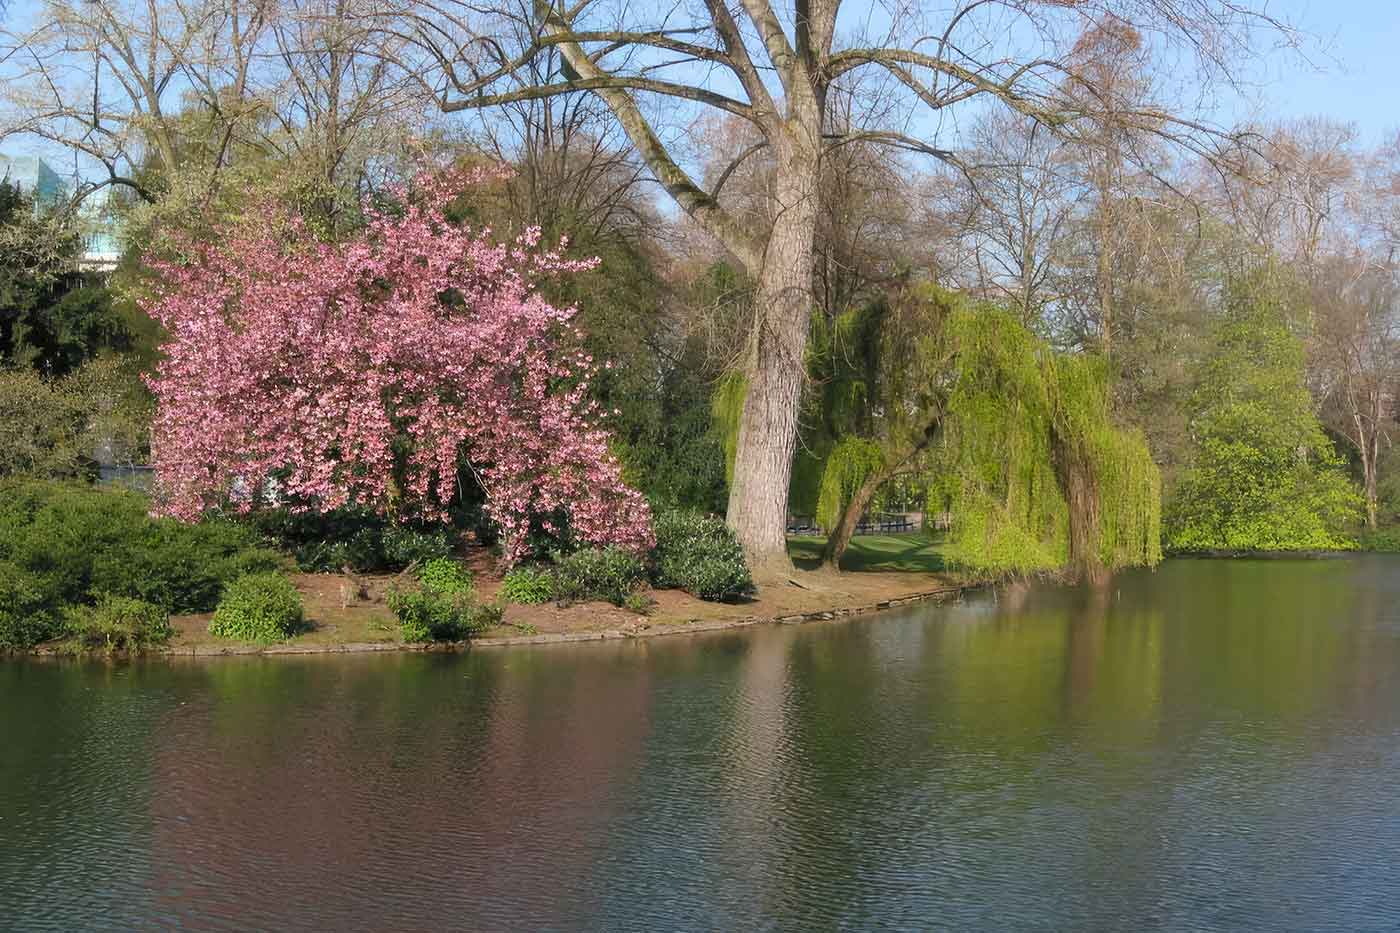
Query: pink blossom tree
column 373, row 371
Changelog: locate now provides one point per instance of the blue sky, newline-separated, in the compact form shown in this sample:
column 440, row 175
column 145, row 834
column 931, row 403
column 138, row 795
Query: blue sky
column 1354, row 75
column 1357, row 47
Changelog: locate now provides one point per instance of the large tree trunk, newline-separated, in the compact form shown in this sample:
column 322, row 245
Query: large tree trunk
column 758, row 496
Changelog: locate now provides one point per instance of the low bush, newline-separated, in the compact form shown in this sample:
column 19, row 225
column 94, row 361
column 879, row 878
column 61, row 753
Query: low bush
column 444, row 607
column 699, row 554
column 117, row 623
column 640, row 603
column 608, row 574
column 77, row 541
column 356, row 538
column 432, row 615
column 527, row 586
column 261, row 607
column 1386, row 540
column 404, row 544
column 180, row 567
column 445, row 576
column 27, row 616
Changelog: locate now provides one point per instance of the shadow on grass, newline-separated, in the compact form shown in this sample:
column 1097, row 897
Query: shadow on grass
column 908, row 553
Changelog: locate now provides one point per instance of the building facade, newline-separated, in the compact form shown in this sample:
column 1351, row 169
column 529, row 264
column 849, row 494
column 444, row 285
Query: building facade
column 96, row 218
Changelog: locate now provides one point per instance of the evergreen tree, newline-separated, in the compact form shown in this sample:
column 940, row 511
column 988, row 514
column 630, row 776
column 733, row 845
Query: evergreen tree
column 51, row 318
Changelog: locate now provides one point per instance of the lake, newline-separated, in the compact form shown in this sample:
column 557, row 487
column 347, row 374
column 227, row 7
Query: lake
column 1213, row 746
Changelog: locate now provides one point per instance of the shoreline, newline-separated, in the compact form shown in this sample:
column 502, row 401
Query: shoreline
column 643, row 627
column 679, row 614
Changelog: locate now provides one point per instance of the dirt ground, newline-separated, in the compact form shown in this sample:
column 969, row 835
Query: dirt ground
column 338, row 618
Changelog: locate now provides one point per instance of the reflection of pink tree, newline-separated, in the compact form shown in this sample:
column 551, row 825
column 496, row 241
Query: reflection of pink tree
column 365, row 371
column 424, row 792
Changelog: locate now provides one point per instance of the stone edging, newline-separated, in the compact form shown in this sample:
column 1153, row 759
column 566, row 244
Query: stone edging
column 639, row 630
column 643, row 630
column 696, row 626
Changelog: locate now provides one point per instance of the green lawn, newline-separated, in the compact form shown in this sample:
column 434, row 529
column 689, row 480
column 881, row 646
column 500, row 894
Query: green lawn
column 913, row 553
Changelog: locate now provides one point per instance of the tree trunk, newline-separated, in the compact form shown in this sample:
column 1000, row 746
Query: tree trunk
column 1081, row 492
column 840, row 537
column 1370, row 453
column 758, row 496
column 1371, row 506
column 1105, row 275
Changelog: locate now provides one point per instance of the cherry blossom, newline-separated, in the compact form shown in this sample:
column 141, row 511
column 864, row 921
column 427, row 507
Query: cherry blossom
column 368, row 371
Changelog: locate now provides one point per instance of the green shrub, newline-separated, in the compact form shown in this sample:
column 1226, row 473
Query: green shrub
column 327, row 542
column 403, row 544
column 434, row 615
column 445, row 576
column 79, row 540
column 41, row 426
column 27, row 613
column 609, row 574
column 527, row 586
column 180, row 567
column 117, row 623
column 262, row 607
column 640, row 603
column 699, row 554
column 1386, row 540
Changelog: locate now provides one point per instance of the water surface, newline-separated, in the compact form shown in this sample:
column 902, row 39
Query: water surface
column 1212, row 746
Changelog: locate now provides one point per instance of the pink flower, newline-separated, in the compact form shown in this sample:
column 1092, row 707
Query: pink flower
column 306, row 362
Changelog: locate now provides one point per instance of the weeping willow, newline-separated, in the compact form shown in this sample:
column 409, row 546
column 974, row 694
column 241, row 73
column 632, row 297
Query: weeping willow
column 1036, row 475
column 842, row 367
column 1016, row 441
column 1112, row 487
column 994, row 470
column 850, row 463
column 726, row 411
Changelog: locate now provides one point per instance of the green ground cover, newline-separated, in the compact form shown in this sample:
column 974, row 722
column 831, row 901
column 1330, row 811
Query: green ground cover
column 910, row 553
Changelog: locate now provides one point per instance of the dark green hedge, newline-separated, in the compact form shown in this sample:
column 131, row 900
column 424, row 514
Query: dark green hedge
column 68, row 544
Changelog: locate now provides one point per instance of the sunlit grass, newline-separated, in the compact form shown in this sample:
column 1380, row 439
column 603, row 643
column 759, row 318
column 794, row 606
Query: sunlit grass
column 910, row 553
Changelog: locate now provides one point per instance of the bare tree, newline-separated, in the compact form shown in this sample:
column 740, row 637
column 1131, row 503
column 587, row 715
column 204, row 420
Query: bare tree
column 865, row 237
column 334, row 103
column 575, row 171
column 106, row 79
column 1356, row 304
column 774, row 66
column 1291, row 187
column 1381, row 209
column 141, row 90
column 1019, row 212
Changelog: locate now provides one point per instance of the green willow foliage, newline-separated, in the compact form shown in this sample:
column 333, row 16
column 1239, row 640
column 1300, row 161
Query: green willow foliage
column 995, row 472
column 848, row 466
column 1126, row 510
column 727, row 409
column 837, row 451
column 1029, row 451
column 874, row 371
column 1263, row 475
column 986, row 420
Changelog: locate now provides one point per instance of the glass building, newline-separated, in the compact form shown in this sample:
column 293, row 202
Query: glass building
column 101, row 233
